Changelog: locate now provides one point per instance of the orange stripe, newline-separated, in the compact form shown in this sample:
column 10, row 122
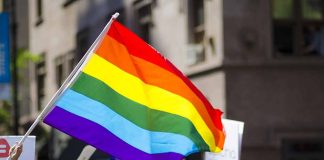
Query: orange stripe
column 138, row 48
column 153, row 75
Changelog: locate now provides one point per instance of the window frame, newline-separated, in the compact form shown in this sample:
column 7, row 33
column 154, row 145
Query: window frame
column 297, row 22
column 64, row 64
column 40, row 71
column 145, row 20
column 196, row 53
column 39, row 12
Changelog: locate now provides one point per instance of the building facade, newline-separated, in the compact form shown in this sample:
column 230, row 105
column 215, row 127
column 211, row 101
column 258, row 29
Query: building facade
column 274, row 76
column 257, row 60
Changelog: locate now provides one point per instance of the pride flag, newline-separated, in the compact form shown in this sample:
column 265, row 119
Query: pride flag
column 132, row 103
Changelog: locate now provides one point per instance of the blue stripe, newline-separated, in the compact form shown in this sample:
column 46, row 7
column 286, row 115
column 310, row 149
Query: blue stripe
column 147, row 141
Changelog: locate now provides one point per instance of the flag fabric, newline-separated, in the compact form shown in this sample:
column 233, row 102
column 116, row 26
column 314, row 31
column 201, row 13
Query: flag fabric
column 132, row 103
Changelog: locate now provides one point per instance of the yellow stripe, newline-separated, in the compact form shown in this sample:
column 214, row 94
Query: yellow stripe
column 148, row 95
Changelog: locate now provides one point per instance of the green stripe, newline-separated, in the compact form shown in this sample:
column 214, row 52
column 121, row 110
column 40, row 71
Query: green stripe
column 140, row 115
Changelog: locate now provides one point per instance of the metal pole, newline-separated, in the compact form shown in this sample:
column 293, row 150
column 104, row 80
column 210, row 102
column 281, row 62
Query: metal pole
column 14, row 65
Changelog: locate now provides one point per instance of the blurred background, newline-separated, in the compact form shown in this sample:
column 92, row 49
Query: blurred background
column 259, row 61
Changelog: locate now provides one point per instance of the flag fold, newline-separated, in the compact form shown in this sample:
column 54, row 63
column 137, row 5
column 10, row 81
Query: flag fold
column 132, row 103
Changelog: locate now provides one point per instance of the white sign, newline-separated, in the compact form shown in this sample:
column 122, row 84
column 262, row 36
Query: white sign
column 28, row 147
column 233, row 142
column 86, row 153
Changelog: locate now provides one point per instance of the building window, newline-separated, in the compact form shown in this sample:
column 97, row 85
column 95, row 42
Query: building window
column 197, row 20
column 301, row 149
column 196, row 51
column 64, row 65
column 40, row 78
column 59, row 71
column 83, row 42
column 71, row 63
column 39, row 12
column 144, row 14
column 298, row 27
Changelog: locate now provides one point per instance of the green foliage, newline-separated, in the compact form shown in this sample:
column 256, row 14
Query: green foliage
column 4, row 118
column 25, row 56
column 311, row 10
column 282, row 9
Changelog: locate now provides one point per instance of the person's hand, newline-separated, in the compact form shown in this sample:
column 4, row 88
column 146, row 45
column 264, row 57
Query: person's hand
column 15, row 151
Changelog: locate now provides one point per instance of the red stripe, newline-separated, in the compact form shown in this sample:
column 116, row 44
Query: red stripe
column 137, row 47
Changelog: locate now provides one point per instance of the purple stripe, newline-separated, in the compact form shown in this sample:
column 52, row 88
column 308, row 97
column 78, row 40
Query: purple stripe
column 100, row 137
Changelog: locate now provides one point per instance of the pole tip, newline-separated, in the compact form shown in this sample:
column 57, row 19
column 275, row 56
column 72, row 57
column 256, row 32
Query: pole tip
column 115, row 15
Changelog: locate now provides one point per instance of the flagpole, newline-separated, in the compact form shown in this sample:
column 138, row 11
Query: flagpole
column 75, row 72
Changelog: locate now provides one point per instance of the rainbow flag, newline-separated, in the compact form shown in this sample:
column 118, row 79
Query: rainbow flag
column 132, row 103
